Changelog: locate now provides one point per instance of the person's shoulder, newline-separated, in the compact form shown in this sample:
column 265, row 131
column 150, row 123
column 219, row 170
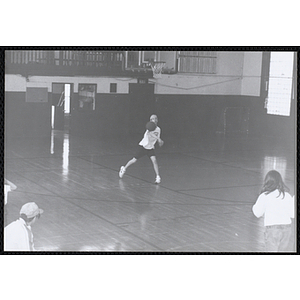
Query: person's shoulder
column 262, row 195
column 289, row 196
column 11, row 225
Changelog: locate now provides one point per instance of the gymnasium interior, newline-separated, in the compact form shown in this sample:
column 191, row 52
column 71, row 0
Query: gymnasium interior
column 73, row 117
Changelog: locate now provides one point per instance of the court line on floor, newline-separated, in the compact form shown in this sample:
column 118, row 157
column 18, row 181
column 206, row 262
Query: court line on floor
column 103, row 219
column 172, row 190
column 227, row 164
column 219, row 188
column 175, row 191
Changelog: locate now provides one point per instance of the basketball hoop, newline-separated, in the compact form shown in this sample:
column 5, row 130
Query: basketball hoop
column 157, row 67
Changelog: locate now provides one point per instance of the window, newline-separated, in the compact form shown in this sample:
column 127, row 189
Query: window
column 201, row 62
column 113, row 87
column 280, row 84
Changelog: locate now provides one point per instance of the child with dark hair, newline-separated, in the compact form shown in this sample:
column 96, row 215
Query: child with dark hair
column 276, row 205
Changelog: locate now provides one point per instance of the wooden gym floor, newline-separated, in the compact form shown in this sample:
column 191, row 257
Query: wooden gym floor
column 203, row 203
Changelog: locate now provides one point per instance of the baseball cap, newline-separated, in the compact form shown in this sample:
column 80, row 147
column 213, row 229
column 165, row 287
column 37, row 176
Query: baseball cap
column 31, row 210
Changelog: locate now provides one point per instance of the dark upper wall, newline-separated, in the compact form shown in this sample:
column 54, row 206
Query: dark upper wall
column 109, row 119
column 200, row 115
column 23, row 119
column 179, row 116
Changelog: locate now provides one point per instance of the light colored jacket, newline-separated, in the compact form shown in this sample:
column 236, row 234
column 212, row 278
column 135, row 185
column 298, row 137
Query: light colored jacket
column 18, row 237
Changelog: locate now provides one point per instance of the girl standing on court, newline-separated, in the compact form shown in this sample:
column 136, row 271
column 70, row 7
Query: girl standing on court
column 276, row 205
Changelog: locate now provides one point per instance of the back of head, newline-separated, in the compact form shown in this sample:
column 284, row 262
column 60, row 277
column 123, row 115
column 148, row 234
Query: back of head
column 30, row 210
column 273, row 181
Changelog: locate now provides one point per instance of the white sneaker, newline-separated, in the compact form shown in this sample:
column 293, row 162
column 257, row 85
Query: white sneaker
column 157, row 179
column 122, row 171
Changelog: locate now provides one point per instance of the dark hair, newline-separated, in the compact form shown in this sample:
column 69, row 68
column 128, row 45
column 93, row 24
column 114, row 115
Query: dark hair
column 273, row 181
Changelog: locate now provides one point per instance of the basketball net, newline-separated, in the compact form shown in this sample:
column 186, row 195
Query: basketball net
column 157, row 67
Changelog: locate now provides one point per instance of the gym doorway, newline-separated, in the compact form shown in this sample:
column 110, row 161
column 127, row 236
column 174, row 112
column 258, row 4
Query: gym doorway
column 62, row 94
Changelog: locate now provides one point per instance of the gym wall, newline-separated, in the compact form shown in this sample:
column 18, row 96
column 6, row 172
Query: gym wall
column 186, row 104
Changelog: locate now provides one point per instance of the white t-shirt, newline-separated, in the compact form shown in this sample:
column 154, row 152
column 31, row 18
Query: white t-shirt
column 148, row 141
column 18, row 237
column 277, row 210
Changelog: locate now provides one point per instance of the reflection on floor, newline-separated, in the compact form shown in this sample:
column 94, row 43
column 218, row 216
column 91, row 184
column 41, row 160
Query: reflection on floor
column 203, row 203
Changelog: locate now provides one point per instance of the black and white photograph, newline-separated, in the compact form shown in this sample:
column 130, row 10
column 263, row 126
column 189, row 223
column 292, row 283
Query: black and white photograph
column 150, row 150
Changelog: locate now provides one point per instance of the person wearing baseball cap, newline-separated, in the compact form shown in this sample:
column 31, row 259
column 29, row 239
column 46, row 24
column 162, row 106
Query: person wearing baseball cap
column 18, row 235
